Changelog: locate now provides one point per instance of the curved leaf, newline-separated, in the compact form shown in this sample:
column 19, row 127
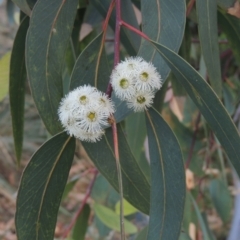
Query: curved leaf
column 167, row 179
column 164, row 22
column 47, row 40
column 208, row 35
column 88, row 70
column 135, row 185
column 17, row 86
column 207, row 102
column 41, row 188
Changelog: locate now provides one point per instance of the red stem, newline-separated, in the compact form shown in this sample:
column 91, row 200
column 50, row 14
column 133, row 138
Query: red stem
column 84, row 201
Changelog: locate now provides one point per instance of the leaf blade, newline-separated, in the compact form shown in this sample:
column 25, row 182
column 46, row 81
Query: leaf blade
column 167, row 179
column 45, row 51
column 17, row 86
column 207, row 102
column 208, row 35
column 43, row 183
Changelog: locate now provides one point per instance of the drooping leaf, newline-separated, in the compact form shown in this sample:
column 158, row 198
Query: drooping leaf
column 4, row 74
column 112, row 220
column 46, row 43
column 208, row 35
column 207, row 102
column 221, row 198
column 81, row 224
column 17, row 86
column 89, row 69
column 163, row 21
column 41, row 188
column 167, row 179
column 130, row 40
column 135, row 184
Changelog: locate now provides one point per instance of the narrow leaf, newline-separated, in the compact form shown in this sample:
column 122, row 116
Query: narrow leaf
column 46, row 43
column 90, row 68
column 208, row 34
column 81, row 225
column 159, row 26
column 167, row 179
column 41, row 188
column 135, row 185
column 111, row 219
column 208, row 103
column 17, row 86
column 128, row 208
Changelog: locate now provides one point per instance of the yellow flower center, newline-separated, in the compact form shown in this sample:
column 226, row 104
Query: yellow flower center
column 124, row 83
column 141, row 99
column 83, row 99
column 92, row 116
column 144, row 76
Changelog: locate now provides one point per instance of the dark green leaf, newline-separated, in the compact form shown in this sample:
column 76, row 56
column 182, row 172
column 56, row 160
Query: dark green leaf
column 135, row 186
column 157, row 25
column 17, row 86
column 184, row 236
column 41, row 188
column 221, row 198
column 89, row 69
column 47, row 40
column 167, row 179
column 81, row 225
column 130, row 40
column 231, row 27
column 208, row 35
column 207, row 102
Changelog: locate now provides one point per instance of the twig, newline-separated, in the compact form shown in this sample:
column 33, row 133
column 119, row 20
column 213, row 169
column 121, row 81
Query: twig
column 84, row 201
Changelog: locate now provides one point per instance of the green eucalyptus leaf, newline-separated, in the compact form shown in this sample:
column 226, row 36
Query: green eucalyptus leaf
column 159, row 26
column 143, row 234
column 112, row 220
column 41, row 188
column 226, row 3
column 90, row 68
column 46, row 43
column 167, row 179
column 17, row 86
column 81, row 224
column 208, row 35
column 207, row 102
column 135, row 185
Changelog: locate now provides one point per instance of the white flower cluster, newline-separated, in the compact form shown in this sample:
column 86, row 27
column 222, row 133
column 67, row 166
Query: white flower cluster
column 136, row 81
column 84, row 112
